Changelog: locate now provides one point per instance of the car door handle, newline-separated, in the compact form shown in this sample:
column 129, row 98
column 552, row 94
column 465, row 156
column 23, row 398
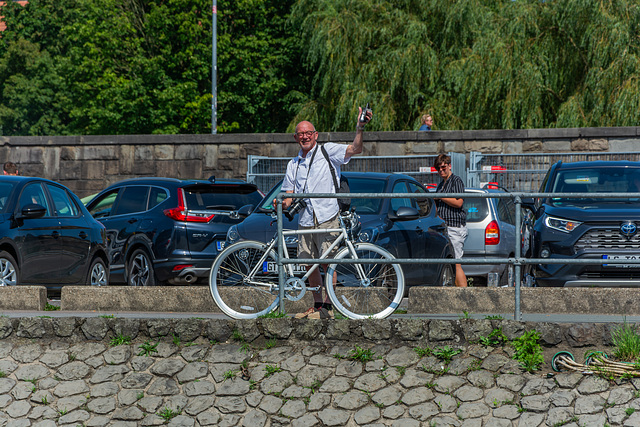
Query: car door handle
column 439, row 227
column 82, row 235
column 132, row 220
column 55, row 234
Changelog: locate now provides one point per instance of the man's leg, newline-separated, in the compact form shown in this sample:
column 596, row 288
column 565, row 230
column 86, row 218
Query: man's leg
column 461, row 278
column 458, row 235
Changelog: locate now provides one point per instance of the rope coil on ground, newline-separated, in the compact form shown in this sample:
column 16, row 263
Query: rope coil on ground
column 599, row 366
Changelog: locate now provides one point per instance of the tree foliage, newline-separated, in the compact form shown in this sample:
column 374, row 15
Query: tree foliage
column 473, row 64
column 144, row 66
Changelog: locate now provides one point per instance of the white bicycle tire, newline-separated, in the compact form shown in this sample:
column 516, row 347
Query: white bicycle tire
column 342, row 303
column 227, row 259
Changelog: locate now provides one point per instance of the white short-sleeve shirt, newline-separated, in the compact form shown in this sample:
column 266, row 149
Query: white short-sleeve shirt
column 300, row 179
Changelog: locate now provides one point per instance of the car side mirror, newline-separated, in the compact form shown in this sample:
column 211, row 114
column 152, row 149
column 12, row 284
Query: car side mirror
column 529, row 203
column 245, row 211
column 32, row 210
column 404, row 213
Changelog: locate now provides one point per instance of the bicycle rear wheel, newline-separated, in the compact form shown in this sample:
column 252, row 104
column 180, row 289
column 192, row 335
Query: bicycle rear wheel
column 236, row 293
column 376, row 295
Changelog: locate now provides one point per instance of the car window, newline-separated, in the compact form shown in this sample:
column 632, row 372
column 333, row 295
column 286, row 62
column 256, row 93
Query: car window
column 506, row 211
column 65, row 207
column 132, row 199
column 477, row 209
column 5, row 190
column 223, row 197
column 157, row 196
column 400, row 187
column 34, row 193
column 103, row 206
column 424, row 205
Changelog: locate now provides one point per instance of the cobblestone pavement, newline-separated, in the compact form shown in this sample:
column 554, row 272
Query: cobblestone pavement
column 204, row 383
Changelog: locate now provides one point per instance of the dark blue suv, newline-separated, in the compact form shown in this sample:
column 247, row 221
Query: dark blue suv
column 588, row 227
column 168, row 231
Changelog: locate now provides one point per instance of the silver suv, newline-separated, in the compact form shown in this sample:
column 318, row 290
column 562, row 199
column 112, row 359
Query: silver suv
column 491, row 225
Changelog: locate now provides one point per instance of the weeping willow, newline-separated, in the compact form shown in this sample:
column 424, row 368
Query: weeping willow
column 472, row 64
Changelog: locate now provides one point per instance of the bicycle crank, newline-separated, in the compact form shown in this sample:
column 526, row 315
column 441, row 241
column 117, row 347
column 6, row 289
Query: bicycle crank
column 294, row 289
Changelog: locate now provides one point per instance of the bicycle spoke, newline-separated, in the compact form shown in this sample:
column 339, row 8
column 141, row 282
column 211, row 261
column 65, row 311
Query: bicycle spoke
column 376, row 294
column 237, row 293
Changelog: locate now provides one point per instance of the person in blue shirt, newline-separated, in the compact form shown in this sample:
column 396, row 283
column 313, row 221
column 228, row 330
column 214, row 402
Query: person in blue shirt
column 427, row 122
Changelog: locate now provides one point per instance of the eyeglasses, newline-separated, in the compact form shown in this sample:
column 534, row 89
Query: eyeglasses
column 442, row 167
column 308, row 134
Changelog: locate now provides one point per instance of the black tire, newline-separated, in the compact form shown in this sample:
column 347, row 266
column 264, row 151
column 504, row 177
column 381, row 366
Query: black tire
column 508, row 276
column 9, row 272
column 447, row 275
column 98, row 274
column 140, row 269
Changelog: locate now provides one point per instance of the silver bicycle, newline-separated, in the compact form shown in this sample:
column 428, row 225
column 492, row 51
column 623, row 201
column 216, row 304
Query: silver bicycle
column 244, row 277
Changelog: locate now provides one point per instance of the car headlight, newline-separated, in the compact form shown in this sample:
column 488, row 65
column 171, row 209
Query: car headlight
column 368, row 235
column 232, row 234
column 564, row 225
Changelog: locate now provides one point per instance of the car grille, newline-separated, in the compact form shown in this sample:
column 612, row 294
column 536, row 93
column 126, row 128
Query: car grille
column 607, row 238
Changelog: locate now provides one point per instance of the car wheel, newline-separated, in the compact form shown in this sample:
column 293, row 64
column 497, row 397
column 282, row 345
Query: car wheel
column 9, row 273
column 508, row 277
column 447, row 275
column 98, row 273
column 140, row 271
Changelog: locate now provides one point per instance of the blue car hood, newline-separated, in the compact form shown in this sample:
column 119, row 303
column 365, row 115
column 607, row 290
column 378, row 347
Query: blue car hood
column 261, row 227
column 612, row 211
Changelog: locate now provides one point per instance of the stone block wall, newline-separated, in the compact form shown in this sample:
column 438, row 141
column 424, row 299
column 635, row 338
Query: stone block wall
column 87, row 164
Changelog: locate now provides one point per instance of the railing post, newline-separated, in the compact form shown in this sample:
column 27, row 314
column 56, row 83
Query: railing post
column 518, row 255
column 281, row 276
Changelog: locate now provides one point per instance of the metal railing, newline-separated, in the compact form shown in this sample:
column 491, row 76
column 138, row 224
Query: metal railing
column 525, row 171
column 517, row 260
column 265, row 172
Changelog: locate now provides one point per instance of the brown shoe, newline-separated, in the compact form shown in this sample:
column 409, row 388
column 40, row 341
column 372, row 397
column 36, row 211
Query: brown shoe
column 322, row 313
column 305, row 314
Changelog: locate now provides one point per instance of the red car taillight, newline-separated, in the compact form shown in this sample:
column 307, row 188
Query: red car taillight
column 492, row 234
column 180, row 213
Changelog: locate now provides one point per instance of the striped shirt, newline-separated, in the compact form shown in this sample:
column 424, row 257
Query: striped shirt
column 453, row 217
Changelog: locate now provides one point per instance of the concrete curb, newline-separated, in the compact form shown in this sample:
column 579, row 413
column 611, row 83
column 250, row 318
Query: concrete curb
column 196, row 299
column 611, row 301
column 32, row 298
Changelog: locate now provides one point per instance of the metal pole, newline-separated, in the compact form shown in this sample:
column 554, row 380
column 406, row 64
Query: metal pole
column 279, row 200
column 214, row 69
column 518, row 254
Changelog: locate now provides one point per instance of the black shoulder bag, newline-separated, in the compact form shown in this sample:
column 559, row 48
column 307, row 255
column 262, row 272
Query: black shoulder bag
column 343, row 203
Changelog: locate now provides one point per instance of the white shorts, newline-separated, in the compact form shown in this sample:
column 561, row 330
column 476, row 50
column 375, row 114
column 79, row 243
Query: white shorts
column 457, row 235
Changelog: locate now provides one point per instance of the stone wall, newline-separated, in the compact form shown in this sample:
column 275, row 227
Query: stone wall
column 70, row 371
column 87, row 164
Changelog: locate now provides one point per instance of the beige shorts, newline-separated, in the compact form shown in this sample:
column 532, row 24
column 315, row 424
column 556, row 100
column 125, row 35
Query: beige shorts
column 314, row 245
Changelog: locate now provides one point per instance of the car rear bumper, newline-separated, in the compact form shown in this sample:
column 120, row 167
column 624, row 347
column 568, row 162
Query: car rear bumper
column 197, row 271
column 475, row 270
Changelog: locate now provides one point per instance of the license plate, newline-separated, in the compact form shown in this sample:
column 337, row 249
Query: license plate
column 272, row 267
column 220, row 245
column 629, row 257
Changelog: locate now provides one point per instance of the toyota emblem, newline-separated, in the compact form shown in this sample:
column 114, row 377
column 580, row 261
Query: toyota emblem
column 628, row 229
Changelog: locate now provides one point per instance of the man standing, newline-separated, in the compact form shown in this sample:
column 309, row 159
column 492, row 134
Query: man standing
column 450, row 209
column 427, row 122
column 309, row 172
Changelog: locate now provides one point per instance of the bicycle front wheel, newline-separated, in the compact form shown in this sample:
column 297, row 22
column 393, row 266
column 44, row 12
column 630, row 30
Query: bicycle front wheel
column 238, row 292
column 376, row 295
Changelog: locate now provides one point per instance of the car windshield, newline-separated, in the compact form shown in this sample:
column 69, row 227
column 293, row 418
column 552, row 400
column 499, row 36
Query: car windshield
column 223, row 197
column 596, row 180
column 356, row 185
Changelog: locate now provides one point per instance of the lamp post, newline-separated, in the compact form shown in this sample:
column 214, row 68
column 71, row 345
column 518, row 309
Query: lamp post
column 214, row 69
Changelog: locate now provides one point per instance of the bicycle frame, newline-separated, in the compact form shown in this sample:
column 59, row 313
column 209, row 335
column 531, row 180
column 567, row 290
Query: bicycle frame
column 342, row 236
